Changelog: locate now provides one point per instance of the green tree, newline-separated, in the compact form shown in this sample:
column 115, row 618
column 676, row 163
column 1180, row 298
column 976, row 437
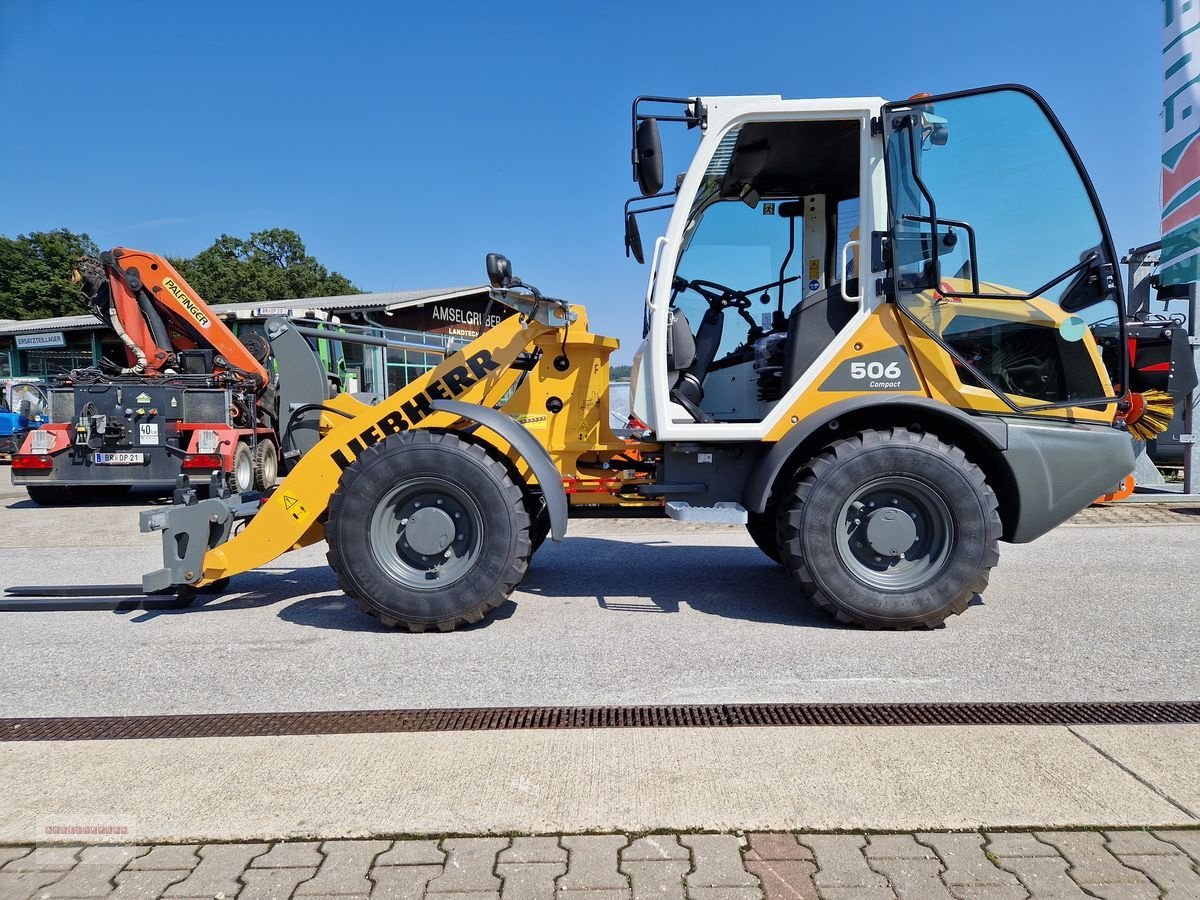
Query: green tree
column 269, row 265
column 35, row 274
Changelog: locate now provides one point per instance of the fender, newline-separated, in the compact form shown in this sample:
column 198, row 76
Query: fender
column 544, row 469
column 991, row 431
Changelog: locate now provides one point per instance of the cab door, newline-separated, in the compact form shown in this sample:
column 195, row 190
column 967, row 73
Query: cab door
column 999, row 257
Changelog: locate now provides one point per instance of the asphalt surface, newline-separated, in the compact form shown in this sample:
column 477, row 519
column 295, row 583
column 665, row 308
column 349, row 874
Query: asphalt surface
column 629, row 612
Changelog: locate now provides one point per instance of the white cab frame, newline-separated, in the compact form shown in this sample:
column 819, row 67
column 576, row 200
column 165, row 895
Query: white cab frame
column 725, row 113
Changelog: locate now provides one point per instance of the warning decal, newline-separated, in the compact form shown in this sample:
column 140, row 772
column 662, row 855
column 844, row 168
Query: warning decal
column 294, row 507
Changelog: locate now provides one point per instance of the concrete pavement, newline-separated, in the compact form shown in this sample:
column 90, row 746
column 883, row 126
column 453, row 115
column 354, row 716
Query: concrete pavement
column 631, row 612
column 551, row 781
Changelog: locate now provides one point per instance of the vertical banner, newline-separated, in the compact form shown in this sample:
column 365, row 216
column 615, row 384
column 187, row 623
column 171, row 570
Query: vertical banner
column 1181, row 142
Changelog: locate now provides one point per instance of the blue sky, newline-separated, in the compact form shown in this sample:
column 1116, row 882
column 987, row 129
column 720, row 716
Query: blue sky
column 404, row 141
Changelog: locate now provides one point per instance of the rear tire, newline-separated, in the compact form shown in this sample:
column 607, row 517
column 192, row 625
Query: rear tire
column 58, row 494
column 241, row 476
column 427, row 530
column 891, row 529
column 764, row 530
column 266, row 465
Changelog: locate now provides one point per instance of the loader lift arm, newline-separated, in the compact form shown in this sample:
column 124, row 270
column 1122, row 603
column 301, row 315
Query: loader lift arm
column 465, row 386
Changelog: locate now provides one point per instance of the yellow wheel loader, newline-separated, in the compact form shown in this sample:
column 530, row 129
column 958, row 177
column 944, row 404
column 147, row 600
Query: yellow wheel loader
column 883, row 336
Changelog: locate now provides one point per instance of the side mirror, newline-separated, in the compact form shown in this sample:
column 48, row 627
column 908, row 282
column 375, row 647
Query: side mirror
column 633, row 239
column 936, row 129
column 499, row 270
column 648, row 159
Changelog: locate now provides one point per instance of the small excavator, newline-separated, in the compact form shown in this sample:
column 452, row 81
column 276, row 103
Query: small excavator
column 884, row 336
column 191, row 398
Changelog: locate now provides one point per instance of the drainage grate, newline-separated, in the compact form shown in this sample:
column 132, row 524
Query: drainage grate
column 546, row 717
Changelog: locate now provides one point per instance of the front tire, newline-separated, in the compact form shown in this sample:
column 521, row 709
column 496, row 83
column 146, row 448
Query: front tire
column 764, row 531
column 891, row 529
column 427, row 530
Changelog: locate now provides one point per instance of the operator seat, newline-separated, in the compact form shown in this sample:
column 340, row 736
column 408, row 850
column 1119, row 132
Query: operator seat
column 812, row 325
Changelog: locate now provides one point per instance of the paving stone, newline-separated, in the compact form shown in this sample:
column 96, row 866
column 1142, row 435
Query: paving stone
column 654, row 847
column 913, row 879
column 896, row 846
column 989, row 892
column 1123, row 892
column 601, row 894
column 412, row 853
column 8, row 854
column 290, row 855
column 529, row 880
column 1187, row 841
column 93, row 874
column 170, row 856
column 840, row 861
column 592, row 864
column 1020, row 843
column 218, row 871
column 765, row 845
column 1137, row 843
column 402, row 882
column 1092, row 864
column 274, row 882
column 716, row 863
column 965, row 861
column 657, row 879
column 725, row 893
column 344, row 869
column 50, row 859
column 784, row 879
column 858, row 893
column 534, row 850
column 469, row 865
column 1173, row 874
column 19, row 885
column 145, row 884
column 1044, row 876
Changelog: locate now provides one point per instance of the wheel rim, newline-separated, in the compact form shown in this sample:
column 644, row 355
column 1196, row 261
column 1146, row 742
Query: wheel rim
column 243, row 471
column 427, row 533
column 895, row 533
column 270, row 465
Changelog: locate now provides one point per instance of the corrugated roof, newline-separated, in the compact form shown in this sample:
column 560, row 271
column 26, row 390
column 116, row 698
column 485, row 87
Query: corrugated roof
column 379, row 302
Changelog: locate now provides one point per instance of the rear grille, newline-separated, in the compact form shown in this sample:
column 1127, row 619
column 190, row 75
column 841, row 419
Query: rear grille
column 206, row 405
column 560, row 717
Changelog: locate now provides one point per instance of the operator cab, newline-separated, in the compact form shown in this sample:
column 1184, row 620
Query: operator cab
column 756, row 293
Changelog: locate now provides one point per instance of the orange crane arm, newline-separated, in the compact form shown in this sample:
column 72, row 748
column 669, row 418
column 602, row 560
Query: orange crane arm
column 160, row 314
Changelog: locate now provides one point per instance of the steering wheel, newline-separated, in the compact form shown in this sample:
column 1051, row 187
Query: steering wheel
column 719, row 296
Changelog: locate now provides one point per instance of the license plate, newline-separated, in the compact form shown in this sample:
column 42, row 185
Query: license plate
column 119, row 459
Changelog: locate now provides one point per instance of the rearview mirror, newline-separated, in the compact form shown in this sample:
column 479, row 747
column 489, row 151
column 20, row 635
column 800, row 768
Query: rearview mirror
column 648, row 147
column 935, row 129
column 499, row 270
column 633, row 239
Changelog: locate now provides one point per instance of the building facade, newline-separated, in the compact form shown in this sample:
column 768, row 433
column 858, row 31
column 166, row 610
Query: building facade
column 431, row 323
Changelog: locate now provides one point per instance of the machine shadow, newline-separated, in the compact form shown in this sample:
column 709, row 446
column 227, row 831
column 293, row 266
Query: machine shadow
column 622, row 577
column 732, row 582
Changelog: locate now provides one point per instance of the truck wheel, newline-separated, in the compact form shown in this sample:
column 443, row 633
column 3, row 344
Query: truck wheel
column 764, row 530
column 241, row 476
column 266, row 465
column 427, row 530
column 57, row 494
column 891, row 529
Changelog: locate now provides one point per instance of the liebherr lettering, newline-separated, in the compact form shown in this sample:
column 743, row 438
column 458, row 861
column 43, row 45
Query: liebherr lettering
column 413, row 410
